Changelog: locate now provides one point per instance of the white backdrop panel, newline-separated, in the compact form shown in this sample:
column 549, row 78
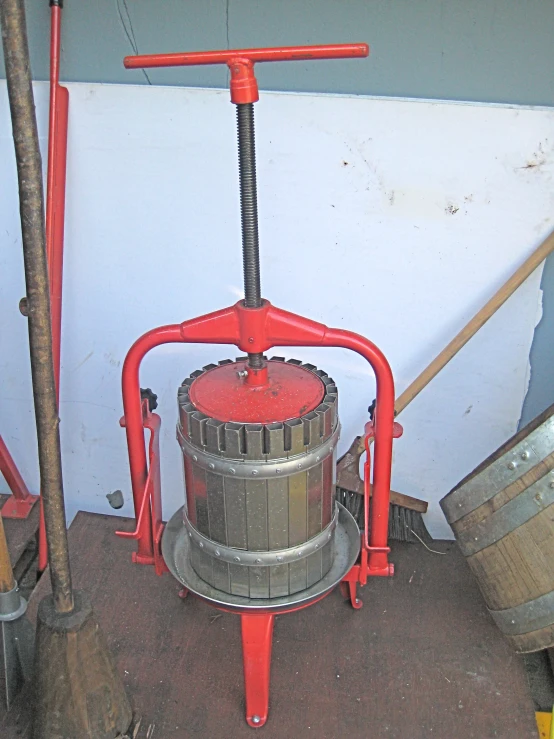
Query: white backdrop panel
column 396, row 219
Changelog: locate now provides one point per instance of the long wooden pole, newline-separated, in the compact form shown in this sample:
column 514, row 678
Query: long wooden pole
column 478, row 320
column 31, row 206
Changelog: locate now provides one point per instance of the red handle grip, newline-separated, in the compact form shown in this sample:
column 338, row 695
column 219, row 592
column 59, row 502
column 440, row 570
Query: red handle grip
column 244, row 88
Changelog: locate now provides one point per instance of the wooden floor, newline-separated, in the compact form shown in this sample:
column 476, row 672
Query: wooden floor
column 422, row 659
column 19, row 531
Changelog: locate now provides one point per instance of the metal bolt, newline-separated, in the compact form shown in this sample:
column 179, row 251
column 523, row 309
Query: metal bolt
column 212, row 466
column 258, row 561
column 237, row 559
column 299, row 465
column 524, row 455
column 256, row 719
column 242, row 373
column 278, row 472
column 279, row 559
column 217, row 553
column 254, row 472
column 232, row 470
column 512, row 465
column 250, row 339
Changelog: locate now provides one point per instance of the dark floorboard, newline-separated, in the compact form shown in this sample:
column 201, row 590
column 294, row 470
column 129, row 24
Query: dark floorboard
column 19, row 531
column 422, row 659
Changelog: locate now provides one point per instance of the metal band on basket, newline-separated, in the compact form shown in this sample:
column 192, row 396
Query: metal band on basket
column 254, row 558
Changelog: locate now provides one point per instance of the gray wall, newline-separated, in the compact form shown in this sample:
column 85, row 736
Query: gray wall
column 481, row 50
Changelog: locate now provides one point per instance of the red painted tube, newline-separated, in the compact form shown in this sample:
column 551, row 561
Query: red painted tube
column 132, row 410
column 11, row 474
column 55, row 212
column 277, row 54
column 55, row 185
column 383, row 437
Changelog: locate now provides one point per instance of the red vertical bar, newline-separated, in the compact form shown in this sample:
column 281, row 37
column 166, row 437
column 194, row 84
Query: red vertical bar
column 257, row 638
column 55, row 213
column 384, row 420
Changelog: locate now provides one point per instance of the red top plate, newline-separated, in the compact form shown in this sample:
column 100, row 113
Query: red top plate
column 292, row 391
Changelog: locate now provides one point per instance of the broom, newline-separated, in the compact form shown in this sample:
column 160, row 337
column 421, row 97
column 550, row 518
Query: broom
column 406, row 514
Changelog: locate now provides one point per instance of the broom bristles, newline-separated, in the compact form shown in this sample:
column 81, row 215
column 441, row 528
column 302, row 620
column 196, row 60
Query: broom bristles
column 404, row 524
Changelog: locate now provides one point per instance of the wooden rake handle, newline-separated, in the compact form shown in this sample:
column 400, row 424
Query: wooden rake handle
column 478, row 320
column 471, row 328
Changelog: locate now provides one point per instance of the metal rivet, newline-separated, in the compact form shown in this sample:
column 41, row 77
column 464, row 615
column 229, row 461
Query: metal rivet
column 299, row 465
column 299, row 552
column 201, row 545
column 512, row 465
column 317, row 546
column 254, row 472
column 258, row 561
column 212, row 466
column 217, row 553
column 317, row 459
column 525, row 455
column 232, row 470
column 190, row 534
column 278, row 472
column 195, row 458
column 256, row 719
column 329, row 535
column 279, row 559
column 237, row 559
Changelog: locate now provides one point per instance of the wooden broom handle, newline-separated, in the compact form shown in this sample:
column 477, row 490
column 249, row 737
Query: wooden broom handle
column 7, row 581
column 478, row 320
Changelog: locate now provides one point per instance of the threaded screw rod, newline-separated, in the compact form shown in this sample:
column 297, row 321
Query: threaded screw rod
column 249, row 213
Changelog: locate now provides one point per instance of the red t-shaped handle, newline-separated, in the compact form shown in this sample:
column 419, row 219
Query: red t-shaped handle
column 244, row 88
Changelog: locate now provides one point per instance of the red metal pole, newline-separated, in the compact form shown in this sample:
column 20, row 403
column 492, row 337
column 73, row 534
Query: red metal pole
column 55, row 212
column 55, row 185
column 384, row 420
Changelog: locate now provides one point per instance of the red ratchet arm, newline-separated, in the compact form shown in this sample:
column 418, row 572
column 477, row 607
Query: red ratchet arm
column 244, row 87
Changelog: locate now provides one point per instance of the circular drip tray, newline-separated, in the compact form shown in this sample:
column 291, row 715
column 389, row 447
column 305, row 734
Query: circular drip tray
column 176, row 552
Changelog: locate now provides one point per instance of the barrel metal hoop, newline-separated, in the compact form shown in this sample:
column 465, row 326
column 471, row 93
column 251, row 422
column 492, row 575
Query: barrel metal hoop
column 528, row 504
column 264, row 558
column 501, row 473
column 530, row 616
column 262, row 469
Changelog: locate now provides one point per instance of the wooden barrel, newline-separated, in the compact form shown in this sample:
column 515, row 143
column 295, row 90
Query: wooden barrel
column 502, row 515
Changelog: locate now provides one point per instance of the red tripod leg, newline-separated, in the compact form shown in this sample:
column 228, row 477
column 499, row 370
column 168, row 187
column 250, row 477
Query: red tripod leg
column 257, row 636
